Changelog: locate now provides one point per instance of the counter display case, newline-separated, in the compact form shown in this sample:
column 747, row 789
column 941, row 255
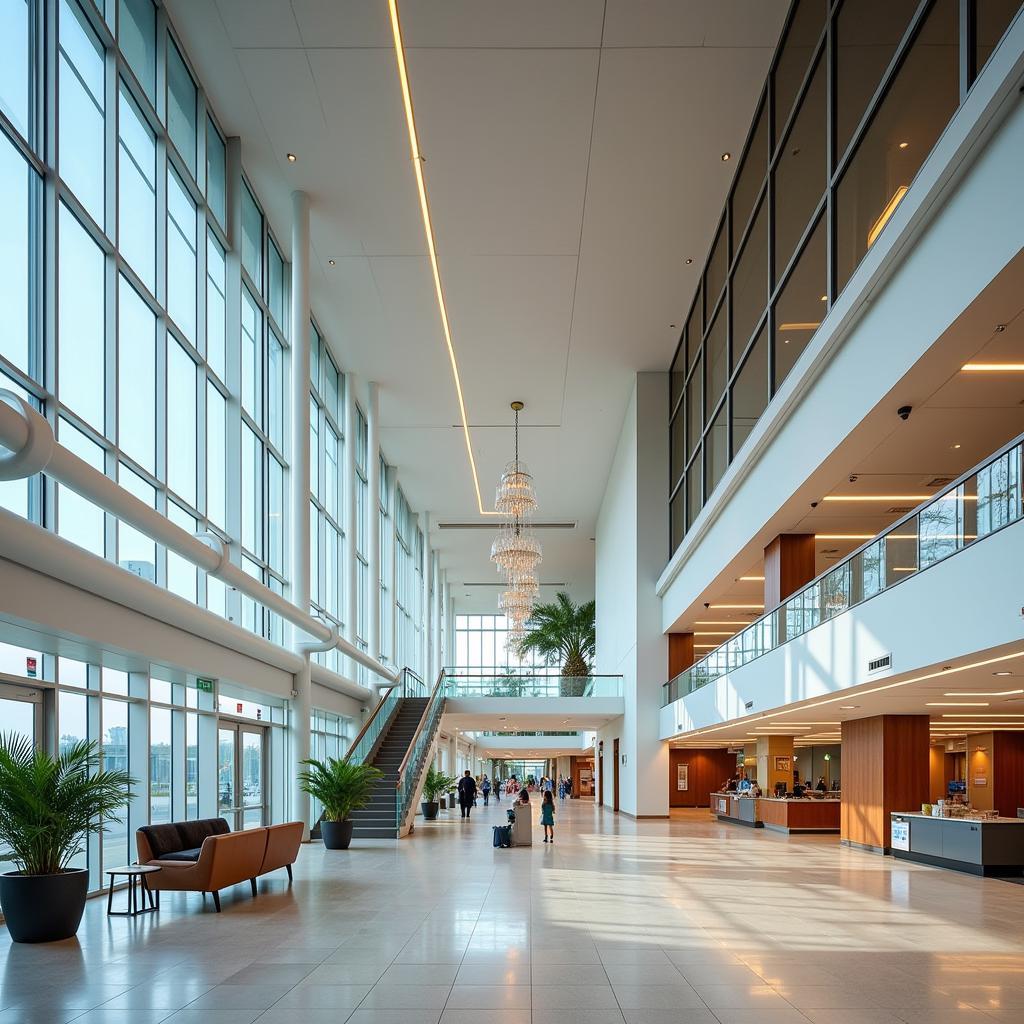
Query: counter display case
column 981, row 846
column 735, row 809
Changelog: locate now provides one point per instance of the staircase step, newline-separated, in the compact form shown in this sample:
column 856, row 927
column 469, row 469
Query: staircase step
column 375, row 833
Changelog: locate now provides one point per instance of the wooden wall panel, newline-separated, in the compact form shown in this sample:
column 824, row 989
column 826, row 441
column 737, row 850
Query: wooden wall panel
column 1008, row 772
column 680, row 653
column 708, row 770
column 885, row 769
column 937, row 773
column 788, row 565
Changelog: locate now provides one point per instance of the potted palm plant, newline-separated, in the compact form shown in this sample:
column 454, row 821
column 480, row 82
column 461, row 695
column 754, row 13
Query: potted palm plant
column 49, row 806
column 562, row 633
column 434, row 785
column 342, row 787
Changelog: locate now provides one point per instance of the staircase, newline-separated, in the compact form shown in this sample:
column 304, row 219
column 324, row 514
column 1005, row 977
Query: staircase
column 377, row 820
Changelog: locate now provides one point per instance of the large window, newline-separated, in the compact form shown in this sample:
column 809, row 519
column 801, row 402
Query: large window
column 881, row 81
column 481, row 646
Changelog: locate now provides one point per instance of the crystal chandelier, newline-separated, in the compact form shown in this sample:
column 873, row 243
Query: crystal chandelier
column 515, row 551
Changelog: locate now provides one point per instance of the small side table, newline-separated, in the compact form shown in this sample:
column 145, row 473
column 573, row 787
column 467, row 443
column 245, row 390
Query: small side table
column 136, row 875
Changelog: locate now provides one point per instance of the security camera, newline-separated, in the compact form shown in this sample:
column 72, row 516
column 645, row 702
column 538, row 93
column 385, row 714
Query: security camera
column 707, row 604
column 814, row 504
column 904, row 412
column 853, row 478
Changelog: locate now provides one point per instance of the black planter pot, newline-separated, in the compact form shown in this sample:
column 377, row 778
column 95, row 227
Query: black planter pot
column 43, row 908
column 336, row 834
column 429, row 810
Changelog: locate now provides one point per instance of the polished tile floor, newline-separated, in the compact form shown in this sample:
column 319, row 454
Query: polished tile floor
column 686, row 921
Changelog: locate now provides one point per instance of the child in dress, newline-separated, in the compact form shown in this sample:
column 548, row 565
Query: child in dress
column 547, row 815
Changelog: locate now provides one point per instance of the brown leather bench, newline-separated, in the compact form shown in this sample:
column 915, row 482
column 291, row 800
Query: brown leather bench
column 206, row 856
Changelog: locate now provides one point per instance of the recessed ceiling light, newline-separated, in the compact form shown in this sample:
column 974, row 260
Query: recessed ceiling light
column 752, row 579
column 903, row 145
column 689, row 260
column 292, row 158
column 332, row 262
column 955, row 447
column 849, row 707
column 726, row 157
column 824, row 298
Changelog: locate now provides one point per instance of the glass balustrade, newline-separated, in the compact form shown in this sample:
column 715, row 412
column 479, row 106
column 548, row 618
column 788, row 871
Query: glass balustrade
column 981, row 502
column 462, row 684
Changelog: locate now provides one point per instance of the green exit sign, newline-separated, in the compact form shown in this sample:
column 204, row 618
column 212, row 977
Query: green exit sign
column 204, row 685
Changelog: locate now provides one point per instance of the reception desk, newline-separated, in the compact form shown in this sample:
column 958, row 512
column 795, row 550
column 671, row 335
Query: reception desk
column 737, row 810
column 800, row 815
column 993, row 846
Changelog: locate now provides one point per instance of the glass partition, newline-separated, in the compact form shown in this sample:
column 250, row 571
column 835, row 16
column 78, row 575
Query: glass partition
column 985, row 500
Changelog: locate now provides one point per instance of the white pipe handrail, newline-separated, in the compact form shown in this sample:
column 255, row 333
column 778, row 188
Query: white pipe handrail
column 29, row 437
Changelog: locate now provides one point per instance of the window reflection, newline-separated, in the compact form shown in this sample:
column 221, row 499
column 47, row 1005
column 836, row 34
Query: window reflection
column 992, row 19
column 913, row 114
column 800, row 172
column 718, row 362
column 714, row 275
column 797, row 50
column 694, row 417
column 716, row 449
column 801, row 306
column 867, row 34
column 750, row 177
column 750, row 392
column 750, row 282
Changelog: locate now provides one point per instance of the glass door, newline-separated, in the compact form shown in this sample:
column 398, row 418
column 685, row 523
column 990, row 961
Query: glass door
column 251, row 765
column 227, row 805
column 21, row 711
column 241, row 775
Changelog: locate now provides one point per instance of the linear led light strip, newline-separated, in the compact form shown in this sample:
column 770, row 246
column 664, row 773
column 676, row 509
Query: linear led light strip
column 428, row 229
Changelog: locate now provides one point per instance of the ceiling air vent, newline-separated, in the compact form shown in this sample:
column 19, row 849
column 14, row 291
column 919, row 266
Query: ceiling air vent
column 939, row 481
column 899, row 510
column 880, row 663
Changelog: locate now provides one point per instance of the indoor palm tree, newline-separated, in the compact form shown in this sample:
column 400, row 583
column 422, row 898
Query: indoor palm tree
column 49, row 806
column 562, row 633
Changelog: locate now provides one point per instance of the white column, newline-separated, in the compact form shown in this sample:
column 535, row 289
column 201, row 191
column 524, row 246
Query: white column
column 299, row 490
column 435, row 620
column 425, row 637
column 373, row 526
column 389, row 542
column 351, row 432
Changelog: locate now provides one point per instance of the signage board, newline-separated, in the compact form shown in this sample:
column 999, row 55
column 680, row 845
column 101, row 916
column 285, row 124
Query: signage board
column 900, row 835
column 682, row 777
column 204, row 685
column 31, row 668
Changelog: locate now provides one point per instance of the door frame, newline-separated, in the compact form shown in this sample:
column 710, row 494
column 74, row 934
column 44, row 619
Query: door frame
column 600, row 774
column 235, row 815
column 615, row 775
column 27, row 695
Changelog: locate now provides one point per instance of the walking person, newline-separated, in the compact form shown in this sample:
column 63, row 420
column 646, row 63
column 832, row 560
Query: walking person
column 485, row 788
column 547, row 816
column 467, row 793
column 561, row 788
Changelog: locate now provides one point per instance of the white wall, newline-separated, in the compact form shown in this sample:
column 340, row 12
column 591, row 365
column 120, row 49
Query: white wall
column 966, row 604
column 632, row 538
column 946, row 242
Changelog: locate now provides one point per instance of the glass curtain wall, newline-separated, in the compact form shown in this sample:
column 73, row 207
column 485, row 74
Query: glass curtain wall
column 481, row 646
column 859, row 93
column 408, row 584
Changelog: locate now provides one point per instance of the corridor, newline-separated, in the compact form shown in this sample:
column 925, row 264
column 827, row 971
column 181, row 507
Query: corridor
column 643, row 922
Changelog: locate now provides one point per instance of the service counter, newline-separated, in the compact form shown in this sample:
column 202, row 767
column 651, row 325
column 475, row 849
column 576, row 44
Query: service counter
column 981, row 846
column 736, row 809
column 800, row 815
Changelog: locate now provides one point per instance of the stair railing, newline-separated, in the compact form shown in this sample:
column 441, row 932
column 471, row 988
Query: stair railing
column 409, row 774
column 365, row 744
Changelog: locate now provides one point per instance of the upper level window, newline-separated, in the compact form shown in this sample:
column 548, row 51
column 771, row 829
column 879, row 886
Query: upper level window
column 136, row 36
column 181, row 107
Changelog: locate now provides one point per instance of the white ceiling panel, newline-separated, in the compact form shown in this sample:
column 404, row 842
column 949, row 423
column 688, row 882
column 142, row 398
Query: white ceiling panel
column 728, row 23
column 506, row 135
column 266, row 23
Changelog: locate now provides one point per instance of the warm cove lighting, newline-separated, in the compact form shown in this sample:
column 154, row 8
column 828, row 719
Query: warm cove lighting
column 900, row 497
column 883, row 217
column 957, row 704
column 752, row 579
column 428, row 230
column 755, row 607
column 998, row 693
column 993, row 367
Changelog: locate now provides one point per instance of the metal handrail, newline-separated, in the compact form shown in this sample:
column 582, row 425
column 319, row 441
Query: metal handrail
column 366, row 725
column 419, row 728
column 767, row 622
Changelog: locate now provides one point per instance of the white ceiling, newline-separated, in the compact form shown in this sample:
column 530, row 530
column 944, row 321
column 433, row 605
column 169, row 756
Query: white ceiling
column 573, row 161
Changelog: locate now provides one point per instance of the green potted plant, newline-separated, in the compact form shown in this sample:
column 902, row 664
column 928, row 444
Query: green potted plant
column 342, row 787
column 434, row 785
column 48, row 808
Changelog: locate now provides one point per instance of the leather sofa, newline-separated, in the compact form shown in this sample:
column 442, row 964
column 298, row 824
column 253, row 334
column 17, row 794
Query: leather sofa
column 206, row 856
